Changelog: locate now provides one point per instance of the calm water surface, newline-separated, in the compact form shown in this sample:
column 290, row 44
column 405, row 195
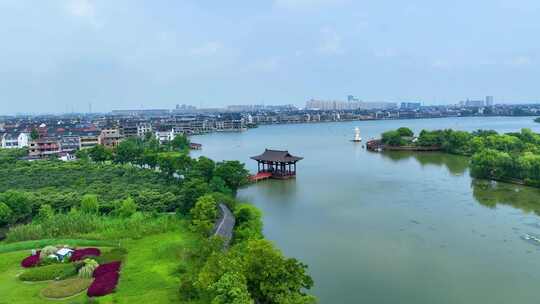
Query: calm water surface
column 397, row 227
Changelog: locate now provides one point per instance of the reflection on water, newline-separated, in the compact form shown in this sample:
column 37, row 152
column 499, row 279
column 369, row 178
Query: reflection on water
column 455, row 164
column 284, row 189
column 491, row 194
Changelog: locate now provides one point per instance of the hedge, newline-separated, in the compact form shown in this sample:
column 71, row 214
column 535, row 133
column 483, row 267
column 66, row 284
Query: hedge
column 49, row 272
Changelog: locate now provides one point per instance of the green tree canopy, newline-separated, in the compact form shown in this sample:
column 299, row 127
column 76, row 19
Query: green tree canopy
column 404, row 131
column 233, row 173
column 204, row 215
column 270, row 277
column 5, row 214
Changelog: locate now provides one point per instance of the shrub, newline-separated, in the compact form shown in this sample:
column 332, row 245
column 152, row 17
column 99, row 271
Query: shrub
column 45, row 212
column 80, row 254
column 87, row 270
column 89, row 226
column 31, row 261
column 47, row 251
column 90, row 204
column 106, row 268
column 126, row 208
column 103, row 285
column 5, row 214
column 50, row 272
column 66, row 288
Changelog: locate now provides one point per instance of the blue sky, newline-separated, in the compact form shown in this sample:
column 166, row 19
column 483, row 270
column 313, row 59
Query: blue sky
column 60, row 55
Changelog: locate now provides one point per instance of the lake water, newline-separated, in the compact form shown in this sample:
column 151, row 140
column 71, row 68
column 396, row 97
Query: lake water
column 393, row 227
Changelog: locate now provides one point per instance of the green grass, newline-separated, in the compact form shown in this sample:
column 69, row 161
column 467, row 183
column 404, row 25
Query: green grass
column 148, row 272
column 27, row 245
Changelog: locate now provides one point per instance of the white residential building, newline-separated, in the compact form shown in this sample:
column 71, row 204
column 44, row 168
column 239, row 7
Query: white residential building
column 23, row 139
column 143, row 128
column 165, row 135
column 14, row 140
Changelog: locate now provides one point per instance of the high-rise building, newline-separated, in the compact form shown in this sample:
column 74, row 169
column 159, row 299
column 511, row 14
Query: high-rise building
column 489, row 101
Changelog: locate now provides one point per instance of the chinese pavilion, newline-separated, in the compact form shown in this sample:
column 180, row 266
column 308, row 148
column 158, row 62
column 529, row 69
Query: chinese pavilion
column 277, row 164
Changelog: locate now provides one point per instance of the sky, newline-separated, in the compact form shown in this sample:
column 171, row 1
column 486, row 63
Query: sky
column 63, row 55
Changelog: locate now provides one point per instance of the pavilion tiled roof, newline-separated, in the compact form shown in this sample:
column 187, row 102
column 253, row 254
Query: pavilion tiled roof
column 279, row 156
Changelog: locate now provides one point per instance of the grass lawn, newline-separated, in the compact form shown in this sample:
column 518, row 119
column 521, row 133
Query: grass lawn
column 147, row 275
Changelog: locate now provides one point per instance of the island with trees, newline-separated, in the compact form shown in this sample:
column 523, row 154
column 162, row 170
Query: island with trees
column 511, row 157
column 148, row 207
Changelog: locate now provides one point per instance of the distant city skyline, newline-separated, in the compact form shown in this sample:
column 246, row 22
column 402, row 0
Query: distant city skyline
column 72, row 55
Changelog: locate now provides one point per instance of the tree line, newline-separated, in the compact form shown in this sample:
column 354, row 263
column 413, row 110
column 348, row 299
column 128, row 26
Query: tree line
column 509, row 157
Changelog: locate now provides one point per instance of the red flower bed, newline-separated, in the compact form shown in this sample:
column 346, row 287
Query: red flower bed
column 31, row 261
column 80, row 254
column 106, row 268
column 103, row 284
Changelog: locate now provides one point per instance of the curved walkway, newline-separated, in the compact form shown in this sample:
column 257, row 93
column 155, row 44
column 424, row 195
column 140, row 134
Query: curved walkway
column 225, row 224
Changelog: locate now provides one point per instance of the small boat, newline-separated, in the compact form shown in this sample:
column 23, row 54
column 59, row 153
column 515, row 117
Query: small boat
column 357, row 137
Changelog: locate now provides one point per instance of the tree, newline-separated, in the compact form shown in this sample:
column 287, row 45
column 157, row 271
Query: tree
column 231, row 288
column 82, row 154
column 45, row 212
column 217, row 184
column 233, row 173
column 492, row 164
column 270, row 277
column 204, row 215
column 191, row 190
column 90, row 204
column 129, row 151
column 457, row 142
column 99, row 153
column 180, row 142
column 405, row 132
column 34, row 134
column 174, row 162
column 150, row 158
column 248, row 223
column 5, row 214
column 20, row 204
column 392, row 138
column 127, row 208
column 204, row 168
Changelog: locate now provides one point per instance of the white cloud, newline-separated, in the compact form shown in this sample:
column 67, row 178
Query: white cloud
column 331, row 42
column 206, row 49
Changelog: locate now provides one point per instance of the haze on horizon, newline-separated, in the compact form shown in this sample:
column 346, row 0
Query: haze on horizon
column 61, row 55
